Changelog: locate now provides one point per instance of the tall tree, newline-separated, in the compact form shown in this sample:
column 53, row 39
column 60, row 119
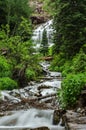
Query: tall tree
column 11, row 12
column 3, row 12
column 70, row 26
column 44, row 43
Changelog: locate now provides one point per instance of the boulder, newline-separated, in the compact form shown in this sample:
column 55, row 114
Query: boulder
column 56, row 117
column 59, row 115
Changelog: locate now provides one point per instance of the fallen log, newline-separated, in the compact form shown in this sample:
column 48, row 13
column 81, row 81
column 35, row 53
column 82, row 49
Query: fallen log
column 49, row 95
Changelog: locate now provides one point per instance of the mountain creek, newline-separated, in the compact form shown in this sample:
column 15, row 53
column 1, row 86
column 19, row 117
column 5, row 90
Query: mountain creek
column 36, row 106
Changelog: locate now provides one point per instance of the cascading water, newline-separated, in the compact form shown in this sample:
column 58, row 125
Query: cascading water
column 37, row 34
column 32, row 118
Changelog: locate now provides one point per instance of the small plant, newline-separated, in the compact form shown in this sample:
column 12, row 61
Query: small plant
column 30, row 74
column 7, row 84
column 5, row 68
column 79, row 62
column 66, row 68
column 71, row 89
column 57, row 62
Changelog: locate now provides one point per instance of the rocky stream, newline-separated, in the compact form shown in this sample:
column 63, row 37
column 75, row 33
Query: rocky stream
column 36, row 106
column 33, row 106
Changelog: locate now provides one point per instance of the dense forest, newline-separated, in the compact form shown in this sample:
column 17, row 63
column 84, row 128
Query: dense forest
column 19, row 62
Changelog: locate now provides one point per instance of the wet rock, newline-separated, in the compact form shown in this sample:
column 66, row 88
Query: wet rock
column 59, row 117
column 40, row 128
column 56, row 117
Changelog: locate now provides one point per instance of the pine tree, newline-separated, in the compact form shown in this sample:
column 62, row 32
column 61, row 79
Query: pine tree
column 70, row 26
column 44, row 43
column 11, row 12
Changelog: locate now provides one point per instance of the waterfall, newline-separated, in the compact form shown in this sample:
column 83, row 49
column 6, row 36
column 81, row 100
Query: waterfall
column 37, row 34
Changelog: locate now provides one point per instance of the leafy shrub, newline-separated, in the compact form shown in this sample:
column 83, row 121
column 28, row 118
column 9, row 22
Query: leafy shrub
column 7, row 84
column 5, row 68
column 30, row 74
column 57, row 62
column 71, row 88
column 66, row 68
column 84, row 48
column 79, row 62
column 50, row 51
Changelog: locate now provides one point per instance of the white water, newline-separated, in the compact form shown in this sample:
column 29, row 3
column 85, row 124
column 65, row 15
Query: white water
column 37, row 34
column 32, row 118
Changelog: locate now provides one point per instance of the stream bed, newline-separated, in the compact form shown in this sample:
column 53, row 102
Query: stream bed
column 33, row 106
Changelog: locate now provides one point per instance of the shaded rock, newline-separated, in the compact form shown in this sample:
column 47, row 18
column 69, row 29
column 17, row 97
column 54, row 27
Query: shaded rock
column 40, row 128
column 38, row 19
column 59, row 116
column 56, row 117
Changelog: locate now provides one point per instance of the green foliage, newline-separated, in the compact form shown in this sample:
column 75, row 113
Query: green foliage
column 7, row 84
column 49, row 6
column 30, row 74
column 67, row 68
column 44, row 43
column 19, row 51
column 84, row 48
column 57, row 62
column 5, row 67
column 69, row 25
column 71, row 89
column 25, row 29
column 79, row 63
column 50, row 51
column 11, row 12
column 75, row 65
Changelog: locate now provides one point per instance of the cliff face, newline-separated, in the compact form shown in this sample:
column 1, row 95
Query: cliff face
column 39, row 14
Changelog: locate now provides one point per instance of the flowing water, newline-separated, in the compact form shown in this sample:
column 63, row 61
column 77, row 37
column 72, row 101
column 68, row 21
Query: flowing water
column 33, row 118
column 37, row 34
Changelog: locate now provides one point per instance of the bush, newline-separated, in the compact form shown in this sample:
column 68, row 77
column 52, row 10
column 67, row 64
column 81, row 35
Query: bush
column 71, row 89
column 84, row 48
column 66, row 68
column 57, row 62
column 30, row 74
column 7, row 84
column 79, row 62
column 5, row 68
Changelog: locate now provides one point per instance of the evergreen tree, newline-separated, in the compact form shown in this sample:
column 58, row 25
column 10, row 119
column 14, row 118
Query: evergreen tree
column 44, row 43
column 70, row 26
column 3, row 12
column 11, row 12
